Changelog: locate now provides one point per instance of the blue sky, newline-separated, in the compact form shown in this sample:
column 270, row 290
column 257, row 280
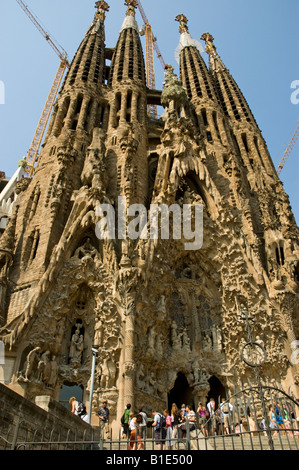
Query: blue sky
column 258, row 41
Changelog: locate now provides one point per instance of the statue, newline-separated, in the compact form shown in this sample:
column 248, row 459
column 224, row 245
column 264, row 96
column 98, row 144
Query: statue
column 175, row 336
column 43, row 367
column 86, row 251
column 108, row 373
column 32, row 362
column 76, row 348
column 53, row 372
column 98, row 335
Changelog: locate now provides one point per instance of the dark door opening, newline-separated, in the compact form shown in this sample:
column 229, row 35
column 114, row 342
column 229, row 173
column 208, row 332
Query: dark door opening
column 69, row 390
column 217, row 390
column 181, row 393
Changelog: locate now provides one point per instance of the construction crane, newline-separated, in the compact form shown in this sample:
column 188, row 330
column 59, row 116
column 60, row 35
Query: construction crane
column 150, row 45
column 33, row 151
column 288, row 150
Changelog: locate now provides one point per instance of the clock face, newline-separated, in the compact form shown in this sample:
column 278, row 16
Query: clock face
column 253, row 354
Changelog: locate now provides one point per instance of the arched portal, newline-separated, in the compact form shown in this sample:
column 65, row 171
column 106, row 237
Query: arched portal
column 181, row 392
column 217, row 390
column 69, row 390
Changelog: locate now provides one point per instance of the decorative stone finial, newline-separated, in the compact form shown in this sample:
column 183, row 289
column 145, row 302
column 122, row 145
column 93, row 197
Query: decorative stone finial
column 102, row 7
column 132, row 5
column 215, row 61
column 208, row 39
column 183, row 23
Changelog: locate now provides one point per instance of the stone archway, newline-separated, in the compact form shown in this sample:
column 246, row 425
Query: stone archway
column 68, row 390
column 217, row 390
column 181, row 392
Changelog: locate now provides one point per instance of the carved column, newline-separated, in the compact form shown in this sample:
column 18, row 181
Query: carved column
column 127, row 286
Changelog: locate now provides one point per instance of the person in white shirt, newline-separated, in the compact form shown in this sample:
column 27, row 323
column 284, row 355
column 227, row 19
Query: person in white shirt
column 142, row 426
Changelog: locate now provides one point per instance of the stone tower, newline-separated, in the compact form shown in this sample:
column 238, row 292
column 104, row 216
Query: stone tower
column 163, row 311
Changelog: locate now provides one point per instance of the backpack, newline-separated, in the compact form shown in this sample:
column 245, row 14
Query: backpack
column 122, row 419
column 162, row 422
column 81, row 408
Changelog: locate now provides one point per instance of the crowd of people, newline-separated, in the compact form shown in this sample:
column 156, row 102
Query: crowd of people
column 167, row 426
column 170, row 427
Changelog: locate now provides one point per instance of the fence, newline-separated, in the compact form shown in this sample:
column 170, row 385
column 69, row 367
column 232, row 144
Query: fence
column 244, row 427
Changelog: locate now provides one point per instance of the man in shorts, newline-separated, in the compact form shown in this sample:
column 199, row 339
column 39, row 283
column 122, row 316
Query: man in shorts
column 160, row 433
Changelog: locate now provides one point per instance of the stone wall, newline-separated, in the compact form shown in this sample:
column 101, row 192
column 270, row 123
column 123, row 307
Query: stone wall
column 43, row 418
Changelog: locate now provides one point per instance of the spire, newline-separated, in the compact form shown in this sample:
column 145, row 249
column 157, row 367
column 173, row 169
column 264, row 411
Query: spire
column 194, row 73
column 128, row 61
column 130, row 21
column 232, row 99
column 185, row 40
column 89, row 59
column 215, row 61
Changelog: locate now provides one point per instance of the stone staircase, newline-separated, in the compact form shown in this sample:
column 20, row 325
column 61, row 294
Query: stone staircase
column 245, row 442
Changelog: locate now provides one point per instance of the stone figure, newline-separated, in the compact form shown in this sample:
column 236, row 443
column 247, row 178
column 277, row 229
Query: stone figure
column 185, row 340
column 140, row 383
column 53, row 372
column 152, row 339
column 175, row 337
column 86, row 251
column 207, row 343
column 99, row 331
column 108, row 373
column 76, row 348
column 32, row 362
column 43, row 367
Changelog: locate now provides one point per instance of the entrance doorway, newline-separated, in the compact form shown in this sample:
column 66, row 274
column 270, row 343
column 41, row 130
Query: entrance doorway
column 69, row 390
column 217, row 390
column 180, row 393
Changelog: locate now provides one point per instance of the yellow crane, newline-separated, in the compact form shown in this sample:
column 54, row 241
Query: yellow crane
column 33, row 151
column 288, row 150
column 150, row 45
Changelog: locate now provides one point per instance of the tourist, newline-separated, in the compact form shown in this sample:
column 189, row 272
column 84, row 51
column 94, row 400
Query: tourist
column 183, row 408
column 287, row 419
column 74, row 405
column 189, row 420
column 103, row 415
column 168, row 421
column 225, row 410
column 202, row 418
column 273, row 424
column 238, row 424
column 175, row 414
column 135, row 442
column 143, row 425
column 125, row 421
column 278, row 417
column 191, row 417
column 160, row 433
column 77, row 407
column 211, row 407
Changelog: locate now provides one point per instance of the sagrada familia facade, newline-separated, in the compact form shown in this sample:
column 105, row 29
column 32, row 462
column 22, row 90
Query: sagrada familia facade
column 167, row 321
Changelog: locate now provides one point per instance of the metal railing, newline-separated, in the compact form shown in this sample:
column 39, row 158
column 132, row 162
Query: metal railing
column 244, row 428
